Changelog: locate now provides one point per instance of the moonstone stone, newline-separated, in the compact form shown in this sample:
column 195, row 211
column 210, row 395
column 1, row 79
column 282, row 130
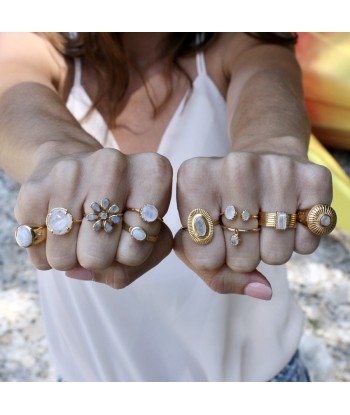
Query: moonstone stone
column 92, row 216
column 230, row 212
column 105, row 203
column 138, row 233
column 325, row 220
column 281, row 220
column 96, row 207
column 234, row 240
column 245, row 215
column 108, row 227
column 113, row 209
column 115, row 218
column 24, row 236
column 103, row 215
column 59, row 221
column 149, row 213
column 200, row 226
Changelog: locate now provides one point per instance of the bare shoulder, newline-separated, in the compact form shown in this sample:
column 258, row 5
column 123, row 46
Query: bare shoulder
column 29, row 57
column 235, row 54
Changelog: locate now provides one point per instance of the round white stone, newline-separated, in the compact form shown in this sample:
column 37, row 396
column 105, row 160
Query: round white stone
column 245, row 215
column 24, row 236
column 325, row 220
column 230, row 212
column 59, row 221
column 200, row 226
column 234, row 240
column 149, row 213
column 138, row 233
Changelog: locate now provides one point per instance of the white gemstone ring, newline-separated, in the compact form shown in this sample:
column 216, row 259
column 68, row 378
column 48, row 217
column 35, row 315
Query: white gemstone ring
column 104, row 215
column 278, row 220
column 200, row 226
column 231, row 213
column 27, row 236
column 59, row 221
column 320, row 219
column 148, row 213
column 235, row 237
column 138, row 233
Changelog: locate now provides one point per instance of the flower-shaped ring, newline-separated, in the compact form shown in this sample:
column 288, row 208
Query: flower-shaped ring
column 104, row 215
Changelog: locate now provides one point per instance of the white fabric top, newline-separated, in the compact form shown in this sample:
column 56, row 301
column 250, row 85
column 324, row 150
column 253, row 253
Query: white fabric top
column 168, row 325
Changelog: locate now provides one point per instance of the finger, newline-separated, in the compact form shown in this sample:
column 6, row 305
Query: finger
column 149, row 179
column 98, row 236
column 242, row 249
column 279, row 194
column 119, row 275
column 316, row 188
column 226, row 281
column 194, row 180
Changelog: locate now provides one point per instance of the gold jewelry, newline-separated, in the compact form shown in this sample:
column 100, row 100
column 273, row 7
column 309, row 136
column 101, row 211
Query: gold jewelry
column 104, row 215
column 246, row 215
column 319, row 219
column 27, row 235
column 230, row 212
column 200, row 226
column 148, row 213
column 138, row 233
column 235, row 237
column 59, row 221
column 278, row 220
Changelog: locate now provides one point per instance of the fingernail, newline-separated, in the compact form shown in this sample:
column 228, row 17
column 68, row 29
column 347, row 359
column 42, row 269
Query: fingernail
column 258, row 290
column 80, row 274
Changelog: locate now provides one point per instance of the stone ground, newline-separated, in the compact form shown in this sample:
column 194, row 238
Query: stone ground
column 321, row 283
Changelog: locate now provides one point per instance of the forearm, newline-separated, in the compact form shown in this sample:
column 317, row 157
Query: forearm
column 267, row 112
column 35, row 126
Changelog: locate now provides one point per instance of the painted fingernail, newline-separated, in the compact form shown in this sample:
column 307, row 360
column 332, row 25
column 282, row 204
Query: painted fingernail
column 258, row 290
column 80, row 274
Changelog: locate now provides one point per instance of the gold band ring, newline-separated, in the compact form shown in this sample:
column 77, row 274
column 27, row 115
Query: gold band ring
column 148, row 213
column 138, row 233
column 27, row 235
column 200, row 226
column 319, row 219
column 278, row 220
column 59, row 221
column 235, row 237
column 104, row 215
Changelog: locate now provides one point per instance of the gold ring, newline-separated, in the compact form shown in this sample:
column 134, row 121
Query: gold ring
column 59, row 221
column 148, row 213
column 235, row 237
column 231, row 213
column 27, row 235
column 319, row 219
column 138, row 233
column 278, row 220
column 104, row 215
column 200, row 226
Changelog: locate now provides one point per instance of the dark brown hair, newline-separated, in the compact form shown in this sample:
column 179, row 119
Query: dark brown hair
column 105, row 54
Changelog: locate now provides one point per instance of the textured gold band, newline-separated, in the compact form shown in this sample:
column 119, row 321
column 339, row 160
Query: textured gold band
column 277, row 220
column 138, row 233
column 319, row 219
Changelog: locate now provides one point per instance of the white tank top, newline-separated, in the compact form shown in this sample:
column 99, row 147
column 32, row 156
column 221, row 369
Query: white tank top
column 168, row 325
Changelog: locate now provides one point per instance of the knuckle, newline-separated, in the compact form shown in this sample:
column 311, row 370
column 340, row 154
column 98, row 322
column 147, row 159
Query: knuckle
column 116, row 161
column 243, row 264
column 92, row 262
column 134, row 259
column 63, row 263
column 204, row 263
column 189, row 172
column 273, row 257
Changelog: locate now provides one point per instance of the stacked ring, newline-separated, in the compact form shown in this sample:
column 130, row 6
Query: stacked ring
column 138, row 233
column 235, row 237
column 277, row 220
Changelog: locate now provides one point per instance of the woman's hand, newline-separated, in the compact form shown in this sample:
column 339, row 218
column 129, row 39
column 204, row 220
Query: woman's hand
column 254, row 182
column 74, row 182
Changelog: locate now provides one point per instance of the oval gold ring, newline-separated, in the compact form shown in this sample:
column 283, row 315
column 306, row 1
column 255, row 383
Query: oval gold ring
column 200, row 226
column 319, row 219
column 138, row 233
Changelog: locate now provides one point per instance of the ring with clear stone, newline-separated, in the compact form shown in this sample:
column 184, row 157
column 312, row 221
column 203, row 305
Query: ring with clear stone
column 320, row 219
column 235, row 237
column 27, row 236
column 277, row 220
column 104, row 215
column 231, row 213
column 138, row 233
column 59, row 221
column 148, row 213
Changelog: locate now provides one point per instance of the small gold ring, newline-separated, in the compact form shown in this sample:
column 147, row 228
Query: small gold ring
column 235, row 238
column 104, row 215
column 138, row 233
column 200, row 226
column 27, row 235
column 278, row 220
column 148, row 213
column 59, row 221
column 319, row 219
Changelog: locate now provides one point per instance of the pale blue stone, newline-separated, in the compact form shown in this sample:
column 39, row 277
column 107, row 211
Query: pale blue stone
column 115, row 218
column 95, row 207
column 24, row 236
column 108, row 227
column 105, row 203
column 149, row 213
column 200, row 226
column 138, row 233
column 92, row 217
column 113, row 209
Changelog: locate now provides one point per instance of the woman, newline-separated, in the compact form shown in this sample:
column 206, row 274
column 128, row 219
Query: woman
column 168, row 123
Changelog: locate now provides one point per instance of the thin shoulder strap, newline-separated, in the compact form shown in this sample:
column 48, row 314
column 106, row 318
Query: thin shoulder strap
column 200, row 60
column 77, row 72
